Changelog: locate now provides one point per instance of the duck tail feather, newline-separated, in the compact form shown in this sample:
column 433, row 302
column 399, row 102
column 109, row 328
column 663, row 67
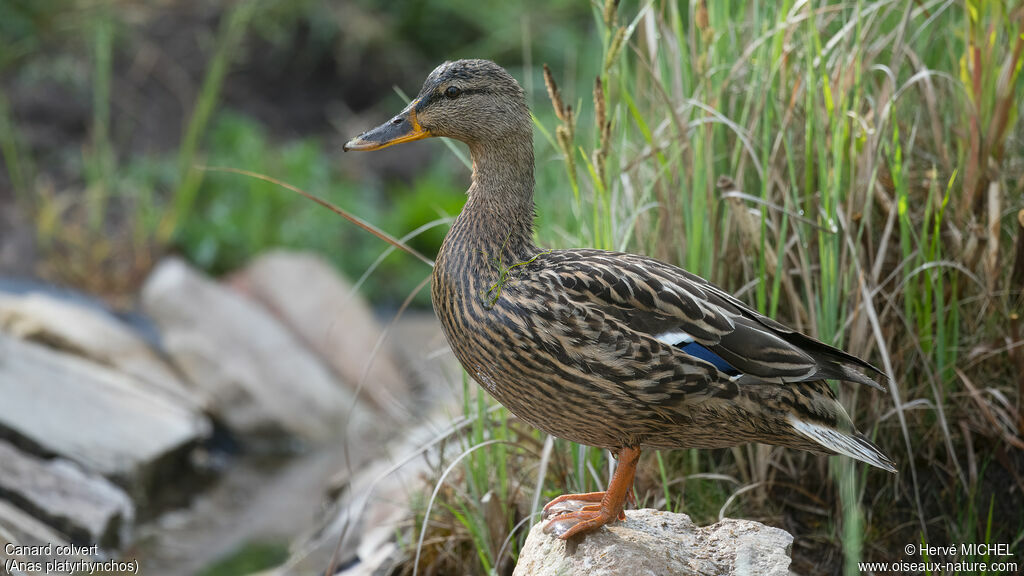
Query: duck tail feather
column 853, row 375
column 853, row 444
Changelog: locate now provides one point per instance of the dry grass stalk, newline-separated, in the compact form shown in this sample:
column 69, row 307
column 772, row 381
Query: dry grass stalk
column 1017, row 276
column 565, row 132
column 1017, row 357
column 563, row 112
column 987, row 148
column 613, row 49
column 610, row 11
column 701, row 16
column 988, row 412
column 604, row 126
column 991, row 258
column 1005, row 91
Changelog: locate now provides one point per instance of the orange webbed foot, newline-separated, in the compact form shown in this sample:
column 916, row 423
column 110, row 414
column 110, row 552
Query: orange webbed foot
column 573, row 514
column 590, row 518
column 568, row 503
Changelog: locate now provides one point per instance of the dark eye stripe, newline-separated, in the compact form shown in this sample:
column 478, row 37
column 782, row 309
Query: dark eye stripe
column 436, row 95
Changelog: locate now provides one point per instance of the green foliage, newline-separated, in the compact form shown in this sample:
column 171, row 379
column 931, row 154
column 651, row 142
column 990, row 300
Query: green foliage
column 24, row 24
column 431, row 196
column 18, row 167
column 250, row 558
column 235, row 218
column 232, row 30
column 469, row 29
column 107, row 230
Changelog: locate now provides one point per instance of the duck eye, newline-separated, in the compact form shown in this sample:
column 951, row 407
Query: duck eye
column 452, row 92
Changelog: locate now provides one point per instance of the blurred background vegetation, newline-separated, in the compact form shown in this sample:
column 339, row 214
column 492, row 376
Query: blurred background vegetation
column 110, row 108
column 852, row 168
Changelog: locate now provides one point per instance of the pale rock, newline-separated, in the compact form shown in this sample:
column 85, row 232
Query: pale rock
column 326, row 313
column 90, row 333
column 256, row 375
column 22, row 529
column 372, row 508
column 104, row 420
column 379, row 562
column 88, row 508
column 420, row 342
column 18, row 528
column 655, row 543
column 251, row 502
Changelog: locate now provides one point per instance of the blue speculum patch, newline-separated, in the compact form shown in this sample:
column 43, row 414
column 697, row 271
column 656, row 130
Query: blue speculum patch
column 699, row 351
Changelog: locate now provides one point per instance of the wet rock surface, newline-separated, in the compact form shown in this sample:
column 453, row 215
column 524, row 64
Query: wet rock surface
column 652, row 542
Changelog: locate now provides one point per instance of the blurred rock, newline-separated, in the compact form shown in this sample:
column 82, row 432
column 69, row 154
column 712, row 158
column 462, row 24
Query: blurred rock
column 381, row 562
column 652, row 542
column 255, row 374
column 372, row 507
column 17, row 234
column 90, row 333
column 106, row 421
column 322, row 309
column 426, row 355
column 85, row 507
column 257, row 499
column 19, row 528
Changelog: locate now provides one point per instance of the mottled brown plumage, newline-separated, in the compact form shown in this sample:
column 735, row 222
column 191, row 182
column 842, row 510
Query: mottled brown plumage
column 607, row 349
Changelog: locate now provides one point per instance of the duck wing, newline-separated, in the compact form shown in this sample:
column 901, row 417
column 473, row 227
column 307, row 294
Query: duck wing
column 684, row 310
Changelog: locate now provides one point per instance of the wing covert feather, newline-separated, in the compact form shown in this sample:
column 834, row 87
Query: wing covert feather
column 654, row 298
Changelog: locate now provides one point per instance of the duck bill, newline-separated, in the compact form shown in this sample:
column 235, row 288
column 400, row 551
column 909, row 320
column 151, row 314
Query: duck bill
column 402, row 128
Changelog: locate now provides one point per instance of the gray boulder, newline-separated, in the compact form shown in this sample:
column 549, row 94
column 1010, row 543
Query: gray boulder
column 88, row 332
column 655, row 543
column 426, row 355
column 56, row 404
column 324, row 311
column 85, row 507
column 372, row 508
column 255, row 374
column 19, row 528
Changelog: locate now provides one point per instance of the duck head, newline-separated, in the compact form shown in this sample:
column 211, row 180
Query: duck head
column 475, row 101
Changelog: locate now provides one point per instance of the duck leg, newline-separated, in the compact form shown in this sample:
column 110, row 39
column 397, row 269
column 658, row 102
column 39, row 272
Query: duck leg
column 571, row 516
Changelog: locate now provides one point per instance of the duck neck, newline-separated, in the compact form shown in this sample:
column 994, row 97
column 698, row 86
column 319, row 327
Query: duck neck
column 498, row 216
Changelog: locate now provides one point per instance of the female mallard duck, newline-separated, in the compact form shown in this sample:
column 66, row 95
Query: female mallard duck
column 613, row 350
